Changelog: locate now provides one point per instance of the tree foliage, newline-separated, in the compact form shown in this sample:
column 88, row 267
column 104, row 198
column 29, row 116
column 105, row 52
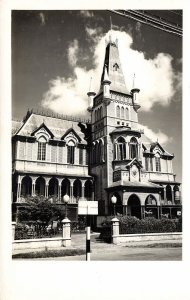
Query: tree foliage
column 40, row 209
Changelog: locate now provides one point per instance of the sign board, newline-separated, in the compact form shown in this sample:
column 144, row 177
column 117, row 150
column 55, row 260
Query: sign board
column 88, row 207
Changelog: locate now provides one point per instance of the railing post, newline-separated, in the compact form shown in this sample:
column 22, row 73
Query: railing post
column 66, row 230
column 115, row 230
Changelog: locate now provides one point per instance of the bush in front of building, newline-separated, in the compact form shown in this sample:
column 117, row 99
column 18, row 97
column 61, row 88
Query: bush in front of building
column 133, row 225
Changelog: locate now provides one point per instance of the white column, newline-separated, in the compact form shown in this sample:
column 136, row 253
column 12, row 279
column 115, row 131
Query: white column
column 71, row 189
column 115, row 230
column 33, row 186
column 59, row 191
column 66, row 232
column 18, row 188
column 83, row 184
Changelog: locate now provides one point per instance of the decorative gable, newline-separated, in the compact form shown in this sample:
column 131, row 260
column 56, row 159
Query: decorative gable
column 156, row 147
column 71, row 134
column 134, row 162
column 42, row 130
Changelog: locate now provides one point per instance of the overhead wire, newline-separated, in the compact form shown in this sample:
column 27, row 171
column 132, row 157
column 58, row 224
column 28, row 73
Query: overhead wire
column 151, row 21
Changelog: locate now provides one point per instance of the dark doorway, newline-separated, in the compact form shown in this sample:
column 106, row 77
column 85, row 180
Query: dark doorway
column 134, row 206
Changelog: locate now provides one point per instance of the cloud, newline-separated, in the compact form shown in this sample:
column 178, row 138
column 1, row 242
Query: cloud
column 42, row 18
column 73, row 52
column 155, row 77
column 93, row 34
column 159, row 136
column 86, row 13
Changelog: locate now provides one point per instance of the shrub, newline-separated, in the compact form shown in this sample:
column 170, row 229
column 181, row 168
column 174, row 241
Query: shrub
column 133, row 225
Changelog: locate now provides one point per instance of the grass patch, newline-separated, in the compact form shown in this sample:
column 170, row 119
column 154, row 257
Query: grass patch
column 50, row 253
column 157, row 245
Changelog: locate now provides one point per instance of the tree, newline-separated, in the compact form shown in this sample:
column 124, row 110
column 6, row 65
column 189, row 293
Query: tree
column 41, row 209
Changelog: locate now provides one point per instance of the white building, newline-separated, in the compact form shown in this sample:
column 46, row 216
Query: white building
column 110, row 155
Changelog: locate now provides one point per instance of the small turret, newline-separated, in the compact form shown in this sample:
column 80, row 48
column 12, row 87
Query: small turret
column 91, row 96
column 135, row 94
column 106, row 84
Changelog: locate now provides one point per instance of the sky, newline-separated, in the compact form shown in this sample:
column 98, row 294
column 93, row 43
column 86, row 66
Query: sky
column 56, row 53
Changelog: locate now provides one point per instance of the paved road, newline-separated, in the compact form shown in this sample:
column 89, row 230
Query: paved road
column 108, row 252
column 130, row 254
column 136, row 251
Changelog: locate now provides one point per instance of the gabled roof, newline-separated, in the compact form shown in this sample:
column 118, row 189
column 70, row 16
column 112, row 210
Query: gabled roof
column 164, row 152
column 45, row 127
column 56, row 126
column 71, row 130
column 134, row 162
column 16, row 126
column 125, row 183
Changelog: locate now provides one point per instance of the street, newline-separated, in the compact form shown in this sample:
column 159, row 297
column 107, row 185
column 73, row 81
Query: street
column 101, row 251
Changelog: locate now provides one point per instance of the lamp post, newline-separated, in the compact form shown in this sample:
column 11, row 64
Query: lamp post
column 66, row 200
column 113, row 200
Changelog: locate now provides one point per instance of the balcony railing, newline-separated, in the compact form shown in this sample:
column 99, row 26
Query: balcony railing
column 50, row 168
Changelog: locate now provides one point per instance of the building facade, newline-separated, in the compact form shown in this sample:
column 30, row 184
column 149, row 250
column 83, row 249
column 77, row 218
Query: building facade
column 109, row 155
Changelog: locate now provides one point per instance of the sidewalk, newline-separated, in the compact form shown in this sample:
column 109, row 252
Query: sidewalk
column 78, row 241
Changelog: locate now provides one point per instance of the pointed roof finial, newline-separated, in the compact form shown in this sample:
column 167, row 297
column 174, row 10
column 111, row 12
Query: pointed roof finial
column 90, row 86
column 91, row 92
column 134, row 81
column 110, row 23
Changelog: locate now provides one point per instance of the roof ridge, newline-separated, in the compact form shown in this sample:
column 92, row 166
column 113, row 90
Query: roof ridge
column 59, row 116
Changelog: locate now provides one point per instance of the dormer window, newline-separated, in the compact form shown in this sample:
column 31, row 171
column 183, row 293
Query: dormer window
column 115, row 67
column 42, row 148
column 157, row 161
column 71, row 152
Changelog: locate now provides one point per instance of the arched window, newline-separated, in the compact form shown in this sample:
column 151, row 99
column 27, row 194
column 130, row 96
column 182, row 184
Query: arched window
column 77, row 189
column 157, row 162
column 88, row 188
column 120, row 149
column 42, row 148
column 96, row 153
column 122, row 112
column 92, row 154
column 101, row 112
column 133, row 148
column 118, row 111
column 150, row 200
column 127, row 113
column 71, row 152
column 168, row 193
column 101, row 151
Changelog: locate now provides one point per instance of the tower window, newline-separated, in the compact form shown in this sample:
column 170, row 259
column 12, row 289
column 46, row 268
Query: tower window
column 122, row 112
column 42, row 148
column 133, row 148
column 120, row 149
column 118, row 111
column 127, row 114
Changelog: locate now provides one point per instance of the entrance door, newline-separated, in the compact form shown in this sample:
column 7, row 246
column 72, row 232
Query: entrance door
column 134, row 206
